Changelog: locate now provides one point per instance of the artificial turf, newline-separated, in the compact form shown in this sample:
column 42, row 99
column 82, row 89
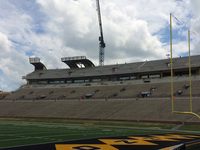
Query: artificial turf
column 18, row 132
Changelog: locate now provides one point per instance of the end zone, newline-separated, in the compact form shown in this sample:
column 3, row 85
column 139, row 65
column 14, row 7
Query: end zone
column 170, row 141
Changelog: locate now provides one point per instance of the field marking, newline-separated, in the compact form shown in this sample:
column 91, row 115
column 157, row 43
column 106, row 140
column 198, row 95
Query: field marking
column 139, row 141
column 81, row 126
column 149, row 129
column 84, row 146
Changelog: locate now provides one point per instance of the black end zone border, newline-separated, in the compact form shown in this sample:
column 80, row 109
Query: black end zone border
column 169, row 141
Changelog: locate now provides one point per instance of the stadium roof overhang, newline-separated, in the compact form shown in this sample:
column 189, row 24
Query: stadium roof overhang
column 77, row 62
column 138, row 68
column 37, row 64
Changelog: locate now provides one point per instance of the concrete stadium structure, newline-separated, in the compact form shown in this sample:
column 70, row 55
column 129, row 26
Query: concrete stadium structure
column 136, row 91
column 90, row 73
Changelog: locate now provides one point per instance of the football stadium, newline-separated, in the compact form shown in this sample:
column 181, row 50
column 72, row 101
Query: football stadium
column 93, row 107
column 143, row 105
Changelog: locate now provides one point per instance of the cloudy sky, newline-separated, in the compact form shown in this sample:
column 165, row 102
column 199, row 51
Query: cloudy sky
column 134, row 30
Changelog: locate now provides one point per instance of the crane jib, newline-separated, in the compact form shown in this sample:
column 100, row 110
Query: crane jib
column 102, row 44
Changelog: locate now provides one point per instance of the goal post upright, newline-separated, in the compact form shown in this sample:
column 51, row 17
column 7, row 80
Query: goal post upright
column 190, row 71
column 190, row 112
column 171, row 64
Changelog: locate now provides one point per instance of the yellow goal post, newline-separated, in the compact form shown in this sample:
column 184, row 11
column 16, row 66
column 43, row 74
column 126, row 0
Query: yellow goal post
column 190, row 112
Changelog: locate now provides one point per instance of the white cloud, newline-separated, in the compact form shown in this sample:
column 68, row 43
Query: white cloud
column 195, row 7
column 4, row 43
column 12, row 65
column 75, row 23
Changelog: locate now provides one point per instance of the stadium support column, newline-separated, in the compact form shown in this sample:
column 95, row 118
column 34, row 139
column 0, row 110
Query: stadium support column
column 171, row 64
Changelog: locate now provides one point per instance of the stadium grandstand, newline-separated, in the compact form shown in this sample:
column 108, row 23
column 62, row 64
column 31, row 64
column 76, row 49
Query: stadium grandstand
column 137, row 91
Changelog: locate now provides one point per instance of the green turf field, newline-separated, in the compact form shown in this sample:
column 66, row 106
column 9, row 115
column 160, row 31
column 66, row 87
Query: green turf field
column 17, row 132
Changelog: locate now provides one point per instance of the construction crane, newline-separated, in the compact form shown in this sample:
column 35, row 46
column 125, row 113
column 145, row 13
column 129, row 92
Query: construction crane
column 102, row 44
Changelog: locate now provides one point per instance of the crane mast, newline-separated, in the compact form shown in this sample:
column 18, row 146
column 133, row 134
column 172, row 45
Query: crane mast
column 102, row 44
